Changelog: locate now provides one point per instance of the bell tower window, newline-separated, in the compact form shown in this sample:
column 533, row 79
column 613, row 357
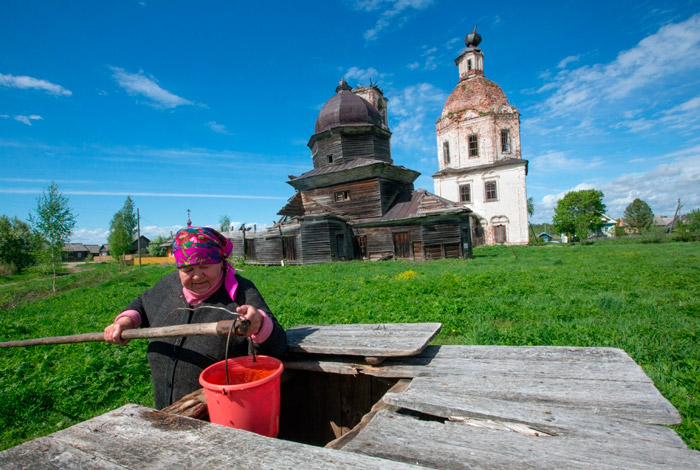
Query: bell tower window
column 446, row 152
column 505, row 140
column 473, row 145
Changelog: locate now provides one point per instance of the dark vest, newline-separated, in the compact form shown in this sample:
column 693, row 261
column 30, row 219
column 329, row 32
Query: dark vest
column 177, row 362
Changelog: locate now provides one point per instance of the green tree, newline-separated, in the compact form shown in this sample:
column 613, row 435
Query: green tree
column 579, row 212
column 692, row 221
column 53, row 222
column 224, row 223
column 689, row 228
column 122, row 229
column 638, row 215
column 155, row 248
column 17, row 248
column 530, row 213
column 119, row 240
column 129, row 215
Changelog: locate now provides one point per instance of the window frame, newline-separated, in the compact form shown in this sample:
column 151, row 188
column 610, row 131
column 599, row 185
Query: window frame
column 507, row 147
column 340, row 196
column 487, row 191
column 468, row 186
column 446, row 152
column 473, row 149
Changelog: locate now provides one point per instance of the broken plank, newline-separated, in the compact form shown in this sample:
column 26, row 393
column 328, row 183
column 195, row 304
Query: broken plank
column 484, row 396
column 450, row 445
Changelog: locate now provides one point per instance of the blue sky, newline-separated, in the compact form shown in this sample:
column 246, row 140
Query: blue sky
column 208, row 106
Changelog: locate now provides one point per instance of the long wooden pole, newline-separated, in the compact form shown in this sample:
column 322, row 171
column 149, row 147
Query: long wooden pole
column 222, row 328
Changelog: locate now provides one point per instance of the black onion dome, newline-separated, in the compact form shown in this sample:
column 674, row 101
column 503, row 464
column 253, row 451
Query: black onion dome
column 346, row 109
column 472, row 39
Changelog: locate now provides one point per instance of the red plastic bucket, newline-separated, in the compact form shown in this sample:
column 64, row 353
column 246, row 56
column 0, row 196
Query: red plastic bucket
column 252, row 400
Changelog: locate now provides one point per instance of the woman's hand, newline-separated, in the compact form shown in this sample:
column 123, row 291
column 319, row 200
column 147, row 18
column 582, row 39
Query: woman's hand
column 253, row 316
column 113, row 333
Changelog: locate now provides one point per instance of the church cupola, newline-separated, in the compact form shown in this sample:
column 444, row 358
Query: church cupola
column 349, row 127
column 471, row 61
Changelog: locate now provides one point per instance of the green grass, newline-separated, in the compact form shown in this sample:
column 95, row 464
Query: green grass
column 643, row 298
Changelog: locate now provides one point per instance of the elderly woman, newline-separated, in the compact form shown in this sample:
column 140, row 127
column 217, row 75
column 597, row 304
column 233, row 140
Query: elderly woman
column 204, row 278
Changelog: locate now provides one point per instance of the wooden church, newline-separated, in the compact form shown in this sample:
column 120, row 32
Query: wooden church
column 355, row 203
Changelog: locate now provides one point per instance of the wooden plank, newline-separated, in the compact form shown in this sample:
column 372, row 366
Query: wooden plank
column 450, row 445
column 436, row 361
column 134, row 437
column 369, row 340
column 530, row 400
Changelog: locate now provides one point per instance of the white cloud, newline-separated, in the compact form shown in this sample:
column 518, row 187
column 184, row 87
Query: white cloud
column 140, row 84
column 218, row 128
column 97, row 236
column 27, row 119
column 452, row 42
column 363, row 76
column 660, row 187
column 683, row 117
column 24, row 82
column 413, row 111
column 568, row 60
column 558, row 161
column 395, row 14
column 673, row 49
column 367, row 5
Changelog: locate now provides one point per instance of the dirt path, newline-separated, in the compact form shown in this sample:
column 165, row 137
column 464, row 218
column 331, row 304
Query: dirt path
column 73, row 267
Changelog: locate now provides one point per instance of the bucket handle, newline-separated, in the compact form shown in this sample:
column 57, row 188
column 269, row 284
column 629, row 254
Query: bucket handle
column 251, row 351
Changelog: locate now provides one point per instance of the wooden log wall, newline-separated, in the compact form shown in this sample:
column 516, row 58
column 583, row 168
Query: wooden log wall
column 364, row 202
column 315, row 242
column 380, row 240
column 349, row 143
column 382, row 148
column 388, row 189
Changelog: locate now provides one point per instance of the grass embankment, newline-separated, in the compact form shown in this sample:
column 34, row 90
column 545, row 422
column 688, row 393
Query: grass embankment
column 642, row 298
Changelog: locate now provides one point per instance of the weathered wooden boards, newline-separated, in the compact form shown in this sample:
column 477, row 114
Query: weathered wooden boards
column 466, row 407
column 524, row 407
column 380, row 340
column 450, row 445
column 134, row 437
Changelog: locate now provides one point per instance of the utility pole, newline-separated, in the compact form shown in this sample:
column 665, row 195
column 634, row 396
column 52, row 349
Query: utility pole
column 138, row 240
column 676, row 215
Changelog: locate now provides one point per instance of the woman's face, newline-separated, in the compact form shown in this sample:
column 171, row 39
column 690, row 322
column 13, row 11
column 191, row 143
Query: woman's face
column 200, row 278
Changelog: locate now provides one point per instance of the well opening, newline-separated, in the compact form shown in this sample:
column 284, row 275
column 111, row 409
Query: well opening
column 317, row 407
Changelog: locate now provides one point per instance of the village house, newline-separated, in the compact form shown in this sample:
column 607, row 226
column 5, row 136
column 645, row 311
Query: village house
column 479, row 158
column 75, row 252
column 356, row 203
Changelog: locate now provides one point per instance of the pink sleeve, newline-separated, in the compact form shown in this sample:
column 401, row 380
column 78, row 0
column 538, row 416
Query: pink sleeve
column 135, row 317
column 264, row 331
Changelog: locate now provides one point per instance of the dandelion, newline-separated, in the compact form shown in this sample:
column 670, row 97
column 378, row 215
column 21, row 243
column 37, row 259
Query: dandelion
column 406, row 275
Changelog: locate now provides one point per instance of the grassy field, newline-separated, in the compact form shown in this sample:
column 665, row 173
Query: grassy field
column 643, row 298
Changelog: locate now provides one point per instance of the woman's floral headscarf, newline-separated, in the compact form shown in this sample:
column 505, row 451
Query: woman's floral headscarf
column 204, row 245
column 200, row 245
